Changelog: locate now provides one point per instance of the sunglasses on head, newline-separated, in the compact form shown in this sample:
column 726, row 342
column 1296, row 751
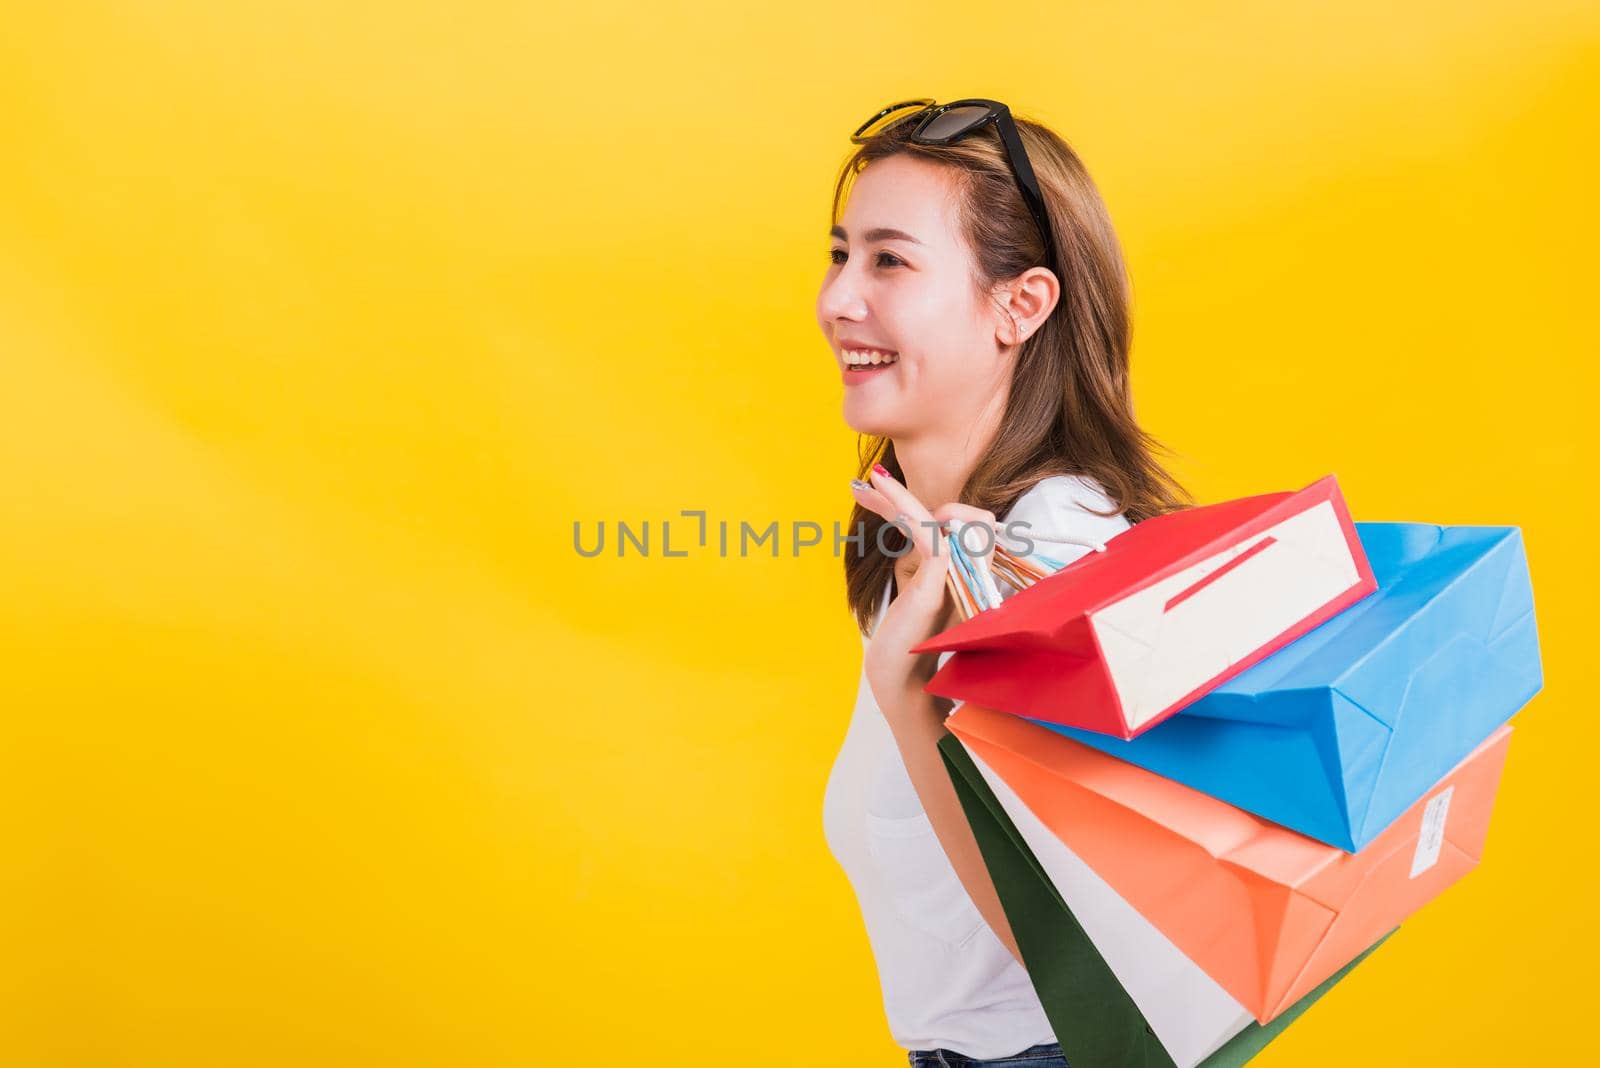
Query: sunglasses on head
column 943, row 124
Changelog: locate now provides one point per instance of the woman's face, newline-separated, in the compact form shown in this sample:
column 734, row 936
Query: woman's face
column 901, row 281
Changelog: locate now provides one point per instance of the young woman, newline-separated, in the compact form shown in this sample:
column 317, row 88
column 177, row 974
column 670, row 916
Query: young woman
column 977, row 308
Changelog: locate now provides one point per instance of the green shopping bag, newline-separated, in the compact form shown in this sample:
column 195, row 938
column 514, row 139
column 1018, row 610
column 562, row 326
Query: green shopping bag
column 1095, row 1020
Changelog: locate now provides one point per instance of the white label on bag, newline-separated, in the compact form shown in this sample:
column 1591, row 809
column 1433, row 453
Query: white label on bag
column 1432, row 836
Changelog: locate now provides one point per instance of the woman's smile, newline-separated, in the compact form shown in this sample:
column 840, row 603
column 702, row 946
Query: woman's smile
column 858, row 365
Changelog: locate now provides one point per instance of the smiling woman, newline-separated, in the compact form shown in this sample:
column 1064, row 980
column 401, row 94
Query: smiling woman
column 976, row 305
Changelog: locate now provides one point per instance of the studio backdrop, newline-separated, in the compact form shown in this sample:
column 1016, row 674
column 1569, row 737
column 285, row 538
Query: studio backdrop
column 331, row 336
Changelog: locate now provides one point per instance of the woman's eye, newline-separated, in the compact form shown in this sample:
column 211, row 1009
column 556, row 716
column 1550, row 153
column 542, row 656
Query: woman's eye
column 838, row 255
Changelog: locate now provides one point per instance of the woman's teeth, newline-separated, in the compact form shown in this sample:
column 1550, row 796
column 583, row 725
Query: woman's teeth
column 868, row 357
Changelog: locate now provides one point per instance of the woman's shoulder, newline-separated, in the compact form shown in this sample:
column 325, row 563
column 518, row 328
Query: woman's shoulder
column 1068, row 505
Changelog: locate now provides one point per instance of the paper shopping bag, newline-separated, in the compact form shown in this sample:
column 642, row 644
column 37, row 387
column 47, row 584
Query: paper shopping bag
column 1267, row 912
column 1100, row 1021
column 1341, row 731
column 1118, row 640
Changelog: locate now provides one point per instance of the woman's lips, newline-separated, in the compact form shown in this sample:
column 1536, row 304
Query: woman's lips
column 854, row 376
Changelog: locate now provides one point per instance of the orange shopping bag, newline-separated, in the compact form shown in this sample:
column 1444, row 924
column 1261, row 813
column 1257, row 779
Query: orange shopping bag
column 1267, row 912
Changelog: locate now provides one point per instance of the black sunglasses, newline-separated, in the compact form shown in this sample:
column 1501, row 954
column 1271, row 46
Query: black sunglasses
column 943, row 124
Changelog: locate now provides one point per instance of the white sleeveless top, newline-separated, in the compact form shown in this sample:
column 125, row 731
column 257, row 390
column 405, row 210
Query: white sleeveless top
column 947, row 981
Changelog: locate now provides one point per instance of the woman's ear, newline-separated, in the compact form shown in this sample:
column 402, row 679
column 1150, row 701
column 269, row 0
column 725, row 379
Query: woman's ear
column 1026, row 302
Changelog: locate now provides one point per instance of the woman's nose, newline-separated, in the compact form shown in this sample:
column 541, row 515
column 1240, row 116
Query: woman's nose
column 840, row 299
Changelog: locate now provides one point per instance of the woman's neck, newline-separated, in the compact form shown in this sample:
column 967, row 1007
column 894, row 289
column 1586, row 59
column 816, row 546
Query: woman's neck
column 937, row 463
column 936, row 469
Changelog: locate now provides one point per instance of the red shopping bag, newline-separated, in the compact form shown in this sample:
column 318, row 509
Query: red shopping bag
column 1119, row 640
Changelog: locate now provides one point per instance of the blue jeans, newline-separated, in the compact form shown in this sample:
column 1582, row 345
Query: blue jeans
column 1044, row 1055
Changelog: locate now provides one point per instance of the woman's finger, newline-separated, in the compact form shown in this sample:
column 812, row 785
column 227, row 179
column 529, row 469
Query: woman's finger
column 976, row 543
column 871, row 499
column 919, row 522
column 965, row 512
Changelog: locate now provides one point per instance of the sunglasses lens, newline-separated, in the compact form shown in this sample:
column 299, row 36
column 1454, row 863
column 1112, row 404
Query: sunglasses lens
column 892, row 116
column 954, row 122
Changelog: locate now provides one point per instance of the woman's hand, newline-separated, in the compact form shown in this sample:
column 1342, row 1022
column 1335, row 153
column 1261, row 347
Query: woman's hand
column 921, row 607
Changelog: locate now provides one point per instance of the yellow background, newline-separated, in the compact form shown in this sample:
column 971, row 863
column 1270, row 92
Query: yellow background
column 320, row 324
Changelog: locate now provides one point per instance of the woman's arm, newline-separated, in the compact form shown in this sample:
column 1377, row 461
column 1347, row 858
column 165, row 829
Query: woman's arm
column 917, row 726
column 897, row 677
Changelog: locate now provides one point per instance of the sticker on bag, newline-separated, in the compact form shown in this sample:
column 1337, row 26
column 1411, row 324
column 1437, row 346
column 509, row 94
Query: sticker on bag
column 1431, row 838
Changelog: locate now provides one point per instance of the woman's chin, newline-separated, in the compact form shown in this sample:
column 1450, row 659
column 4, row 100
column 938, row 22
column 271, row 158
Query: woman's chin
column 868, row 419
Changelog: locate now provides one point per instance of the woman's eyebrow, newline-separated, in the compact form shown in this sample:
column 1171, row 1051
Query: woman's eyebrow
column 879, row 233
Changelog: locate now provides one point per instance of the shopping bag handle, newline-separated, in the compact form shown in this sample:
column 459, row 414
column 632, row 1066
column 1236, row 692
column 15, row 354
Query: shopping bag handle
column 1188, row 592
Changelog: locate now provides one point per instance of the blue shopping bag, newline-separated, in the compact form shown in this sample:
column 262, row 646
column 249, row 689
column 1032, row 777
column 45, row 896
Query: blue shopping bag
column 1339, row 732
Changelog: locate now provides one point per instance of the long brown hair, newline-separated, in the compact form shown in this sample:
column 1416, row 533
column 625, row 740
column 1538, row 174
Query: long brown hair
column 1070, row 408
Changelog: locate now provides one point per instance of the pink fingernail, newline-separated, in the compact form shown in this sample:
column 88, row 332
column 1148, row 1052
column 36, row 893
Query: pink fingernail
column 882, row 470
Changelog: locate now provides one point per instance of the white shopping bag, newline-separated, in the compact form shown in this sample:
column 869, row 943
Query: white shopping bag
column 1191, row 1015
